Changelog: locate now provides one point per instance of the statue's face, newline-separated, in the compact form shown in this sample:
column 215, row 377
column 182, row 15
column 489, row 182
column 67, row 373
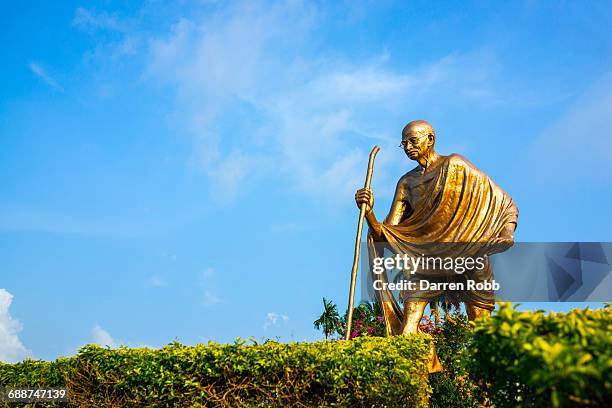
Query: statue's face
column 416, row 144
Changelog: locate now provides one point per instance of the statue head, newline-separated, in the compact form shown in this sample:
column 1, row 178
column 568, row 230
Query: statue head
column 418, row 139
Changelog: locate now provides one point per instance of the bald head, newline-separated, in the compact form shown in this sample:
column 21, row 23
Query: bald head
column 418, row 139
column 418, row 128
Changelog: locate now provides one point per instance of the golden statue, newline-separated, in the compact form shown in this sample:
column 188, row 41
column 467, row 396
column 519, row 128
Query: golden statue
column 444, row 200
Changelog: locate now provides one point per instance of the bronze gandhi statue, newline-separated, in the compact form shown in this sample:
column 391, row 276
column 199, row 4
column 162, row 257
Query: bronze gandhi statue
column 445, row 199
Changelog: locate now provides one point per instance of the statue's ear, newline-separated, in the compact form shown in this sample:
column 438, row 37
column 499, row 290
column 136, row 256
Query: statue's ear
column 431, row 139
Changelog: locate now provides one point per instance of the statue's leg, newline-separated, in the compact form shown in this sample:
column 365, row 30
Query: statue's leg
column 413, row 313
column 474, row 312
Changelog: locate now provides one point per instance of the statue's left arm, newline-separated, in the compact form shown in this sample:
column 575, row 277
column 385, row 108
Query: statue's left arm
column 505, row 239
column 508, row 212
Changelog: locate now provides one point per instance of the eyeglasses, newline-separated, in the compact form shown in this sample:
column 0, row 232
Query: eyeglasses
column 412, row 140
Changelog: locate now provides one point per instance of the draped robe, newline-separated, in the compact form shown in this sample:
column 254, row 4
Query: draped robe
column 450, row 209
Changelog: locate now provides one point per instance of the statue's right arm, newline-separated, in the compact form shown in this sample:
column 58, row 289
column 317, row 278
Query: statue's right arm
column 399, row 207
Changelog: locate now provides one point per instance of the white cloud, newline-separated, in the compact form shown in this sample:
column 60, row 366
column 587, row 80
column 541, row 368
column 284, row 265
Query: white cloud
column 210, row 298
column 102, row 337
column 40, row 72
column 261, row 100
column 207, row 273
column 12, row 349
column 578, row 146
column 273, row 319
column 42, row 220
column 317, row 111
column 157, row 281
column 126, row 40
column 233, row 173
column 91, row 20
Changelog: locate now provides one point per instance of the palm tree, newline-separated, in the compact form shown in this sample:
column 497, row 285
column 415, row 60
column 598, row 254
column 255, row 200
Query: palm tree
column 328, row 321
column 446, row 305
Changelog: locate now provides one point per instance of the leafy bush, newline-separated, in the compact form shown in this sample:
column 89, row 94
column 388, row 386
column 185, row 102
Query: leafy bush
column 363, row 372
column 454, row 386
column 512, row 359
column 537, row 359
column 368, row 321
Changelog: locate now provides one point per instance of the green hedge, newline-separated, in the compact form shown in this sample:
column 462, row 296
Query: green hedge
column 534, row 359
column 526, row 359
column 362, row 372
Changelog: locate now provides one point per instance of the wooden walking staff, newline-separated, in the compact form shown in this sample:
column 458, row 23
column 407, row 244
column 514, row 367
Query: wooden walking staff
column 349, row 318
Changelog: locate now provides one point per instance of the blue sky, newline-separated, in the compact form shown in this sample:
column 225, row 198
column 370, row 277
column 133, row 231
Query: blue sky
column 186, row 170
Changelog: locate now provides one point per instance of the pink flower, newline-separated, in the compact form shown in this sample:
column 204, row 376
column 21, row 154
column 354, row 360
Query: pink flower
column 354, row 334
